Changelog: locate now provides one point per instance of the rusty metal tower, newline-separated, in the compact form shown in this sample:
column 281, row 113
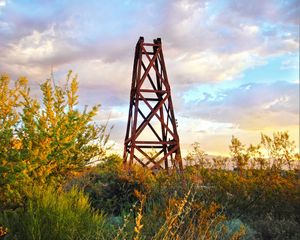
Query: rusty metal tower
column 151, row 136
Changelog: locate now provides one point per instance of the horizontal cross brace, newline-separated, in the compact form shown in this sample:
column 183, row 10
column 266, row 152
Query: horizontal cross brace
column 153, row 91
column 141, row 146
column 149, row 53
column 156, row 142
column 149, row 99
column 151, row 44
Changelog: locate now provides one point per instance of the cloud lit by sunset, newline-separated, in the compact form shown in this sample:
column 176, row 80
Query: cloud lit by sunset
column 233, row 65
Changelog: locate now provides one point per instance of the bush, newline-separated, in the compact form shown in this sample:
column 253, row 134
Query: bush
column 42, row 143
column 110, row 188
column 49, row 214
column 272, row 228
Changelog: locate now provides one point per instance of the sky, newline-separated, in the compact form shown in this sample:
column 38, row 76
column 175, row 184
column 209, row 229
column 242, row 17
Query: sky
column 233, row 66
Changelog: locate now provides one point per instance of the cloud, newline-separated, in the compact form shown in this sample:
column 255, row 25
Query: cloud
column 211, row 67
column 291, row 63
column 284, row 12
column 2, row 3
column 205, row 42
column 251, row 106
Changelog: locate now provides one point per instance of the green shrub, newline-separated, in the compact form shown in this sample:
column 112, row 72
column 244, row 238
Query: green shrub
column 52, row 214
column 110, row 188
column 272, row 228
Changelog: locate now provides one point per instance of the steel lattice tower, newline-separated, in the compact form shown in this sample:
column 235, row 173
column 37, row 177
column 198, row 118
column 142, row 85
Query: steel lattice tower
column 151, row 121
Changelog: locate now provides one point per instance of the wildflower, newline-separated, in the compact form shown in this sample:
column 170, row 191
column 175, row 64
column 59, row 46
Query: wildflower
column 3, row 231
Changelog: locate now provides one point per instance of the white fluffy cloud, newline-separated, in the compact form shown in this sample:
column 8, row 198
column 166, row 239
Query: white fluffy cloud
column 2, row 3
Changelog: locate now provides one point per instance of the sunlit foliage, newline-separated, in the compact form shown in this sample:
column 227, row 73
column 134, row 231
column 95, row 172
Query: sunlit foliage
column 49, row 190
column 43, row 142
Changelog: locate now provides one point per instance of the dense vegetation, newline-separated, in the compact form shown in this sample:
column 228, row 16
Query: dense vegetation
column 48, row 190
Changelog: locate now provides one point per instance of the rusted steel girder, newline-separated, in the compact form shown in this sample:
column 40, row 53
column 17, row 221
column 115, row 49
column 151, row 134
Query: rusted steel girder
column 151, row 122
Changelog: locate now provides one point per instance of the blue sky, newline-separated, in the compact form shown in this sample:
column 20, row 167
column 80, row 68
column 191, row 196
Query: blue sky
column 233, row 65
